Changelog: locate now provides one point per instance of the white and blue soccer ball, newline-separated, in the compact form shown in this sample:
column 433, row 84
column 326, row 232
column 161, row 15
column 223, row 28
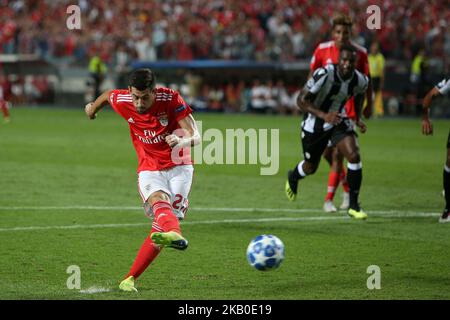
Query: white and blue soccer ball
column 265, row 252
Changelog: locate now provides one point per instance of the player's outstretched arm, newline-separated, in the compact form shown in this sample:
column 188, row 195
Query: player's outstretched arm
column 191, row 135
column 92, row 108
column 427, row 126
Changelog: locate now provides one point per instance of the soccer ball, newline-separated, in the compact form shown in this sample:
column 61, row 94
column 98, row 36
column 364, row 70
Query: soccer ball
column 265, row 252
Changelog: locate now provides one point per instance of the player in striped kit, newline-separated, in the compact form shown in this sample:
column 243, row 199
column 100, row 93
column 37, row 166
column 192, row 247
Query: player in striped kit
column 328, row 53
column 162, row 129
column 323, row 100
column 442, row 88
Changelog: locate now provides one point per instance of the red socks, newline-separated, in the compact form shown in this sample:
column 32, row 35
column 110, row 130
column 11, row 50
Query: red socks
column 334, row 179
column 145, row 256
column 333, row 182
column 164, row 221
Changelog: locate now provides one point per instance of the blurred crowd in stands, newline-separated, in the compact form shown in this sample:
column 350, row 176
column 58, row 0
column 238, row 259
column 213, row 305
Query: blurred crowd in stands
column 263, row 30
column 19, row 90
column 265, row 96
column 115, row 32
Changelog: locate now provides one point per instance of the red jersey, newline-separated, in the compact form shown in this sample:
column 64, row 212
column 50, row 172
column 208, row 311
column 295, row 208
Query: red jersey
column 328, row 53
column 148, row 130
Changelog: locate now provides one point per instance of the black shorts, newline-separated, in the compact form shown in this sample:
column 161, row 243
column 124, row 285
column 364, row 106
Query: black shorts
column 314, row 144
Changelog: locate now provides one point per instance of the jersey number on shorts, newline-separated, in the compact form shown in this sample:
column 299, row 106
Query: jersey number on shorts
column 180, row 203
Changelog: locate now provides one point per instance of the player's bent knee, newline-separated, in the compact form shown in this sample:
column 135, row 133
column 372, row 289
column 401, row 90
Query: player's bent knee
column 158, row 196
column 354, row 157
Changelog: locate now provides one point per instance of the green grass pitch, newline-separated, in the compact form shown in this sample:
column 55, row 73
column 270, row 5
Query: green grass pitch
column 68, row 196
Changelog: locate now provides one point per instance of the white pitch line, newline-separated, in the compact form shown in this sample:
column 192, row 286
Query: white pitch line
column 120, row 225
column 281, row 219
column 101, row 208
column 264, row 220
column 375, row 212
column 75, row 226
column 131, row 208
column 93, row 290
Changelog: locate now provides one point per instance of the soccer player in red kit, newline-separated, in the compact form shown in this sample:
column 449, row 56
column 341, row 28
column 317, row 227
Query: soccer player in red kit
column 162, row 129
column 328, row 53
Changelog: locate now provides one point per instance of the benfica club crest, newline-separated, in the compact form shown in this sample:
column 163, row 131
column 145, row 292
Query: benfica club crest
column 163, row 119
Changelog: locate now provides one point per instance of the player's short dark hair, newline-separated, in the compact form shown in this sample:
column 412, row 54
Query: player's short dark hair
column 342, row 20
column 348, row 47
column 142, row 79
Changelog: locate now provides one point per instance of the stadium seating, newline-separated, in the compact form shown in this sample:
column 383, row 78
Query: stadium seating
column 204, row 29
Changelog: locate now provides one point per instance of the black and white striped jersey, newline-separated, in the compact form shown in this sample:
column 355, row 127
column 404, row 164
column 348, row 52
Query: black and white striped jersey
column 331, row 93
column 444, row 86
